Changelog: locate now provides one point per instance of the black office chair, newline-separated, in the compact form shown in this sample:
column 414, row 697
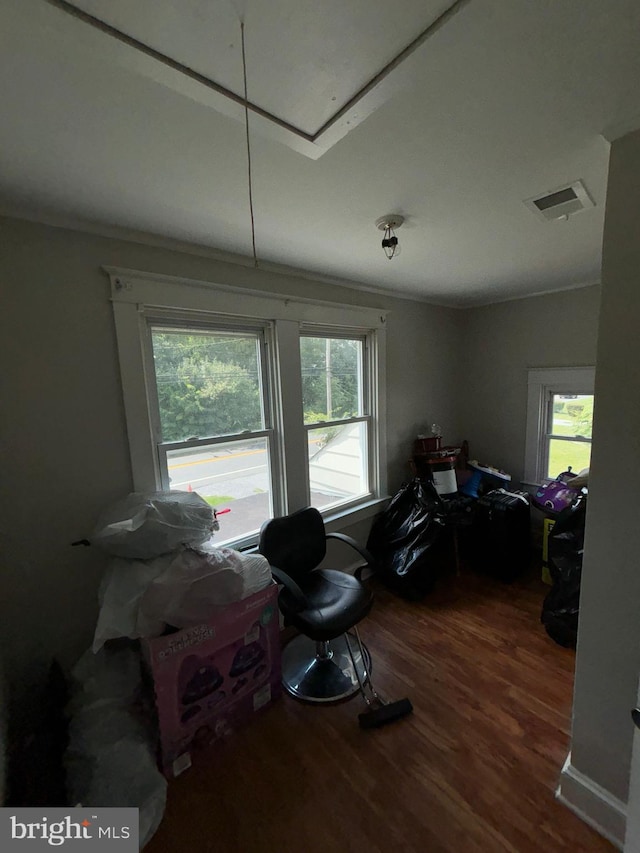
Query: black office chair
column 328, row 661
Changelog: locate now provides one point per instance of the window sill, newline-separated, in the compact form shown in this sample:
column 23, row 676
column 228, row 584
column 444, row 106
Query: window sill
column 334, row 521
column 339, row 518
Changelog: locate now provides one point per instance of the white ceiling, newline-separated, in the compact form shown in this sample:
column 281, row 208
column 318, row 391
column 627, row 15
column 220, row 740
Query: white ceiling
column 503, row 102
column 303, row 84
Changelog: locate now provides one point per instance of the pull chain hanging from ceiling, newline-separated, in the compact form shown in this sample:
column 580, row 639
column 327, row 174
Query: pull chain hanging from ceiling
column 246, row 125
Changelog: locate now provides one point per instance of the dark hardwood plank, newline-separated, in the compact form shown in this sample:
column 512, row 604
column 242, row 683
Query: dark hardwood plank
column 474, row 768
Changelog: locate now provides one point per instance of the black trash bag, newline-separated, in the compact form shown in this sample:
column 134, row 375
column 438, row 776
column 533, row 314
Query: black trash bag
column 407, row 540
column 566, row 544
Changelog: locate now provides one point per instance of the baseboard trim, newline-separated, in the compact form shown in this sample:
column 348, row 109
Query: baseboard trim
column 592, row 804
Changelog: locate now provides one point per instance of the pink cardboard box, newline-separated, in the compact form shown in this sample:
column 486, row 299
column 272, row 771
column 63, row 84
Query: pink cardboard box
column 210, row 679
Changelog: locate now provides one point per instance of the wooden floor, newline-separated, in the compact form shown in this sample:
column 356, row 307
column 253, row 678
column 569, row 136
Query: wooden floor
column 474, row 768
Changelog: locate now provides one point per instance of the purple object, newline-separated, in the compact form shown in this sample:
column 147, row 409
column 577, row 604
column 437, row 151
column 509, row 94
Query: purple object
column 555, row 495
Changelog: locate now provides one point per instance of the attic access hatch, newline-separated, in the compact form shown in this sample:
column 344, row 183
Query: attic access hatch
column 562, row 202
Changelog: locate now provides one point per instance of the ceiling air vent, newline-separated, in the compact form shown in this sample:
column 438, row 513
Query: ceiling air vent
column 562, row 202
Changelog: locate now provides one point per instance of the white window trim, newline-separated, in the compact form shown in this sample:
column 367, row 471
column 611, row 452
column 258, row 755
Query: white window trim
column 159, row 318
column 137, row 295
column 541, row 382
column 367, row 416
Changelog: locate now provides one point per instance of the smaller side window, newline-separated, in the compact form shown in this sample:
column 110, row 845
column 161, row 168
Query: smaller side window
column 559, row 421
column 568, row 433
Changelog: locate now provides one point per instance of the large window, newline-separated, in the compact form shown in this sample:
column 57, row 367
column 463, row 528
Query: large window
column 214, row 428
column 260, row 404
column 559, row 421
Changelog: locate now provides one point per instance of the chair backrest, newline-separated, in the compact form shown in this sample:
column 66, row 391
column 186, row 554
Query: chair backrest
column 294, row 543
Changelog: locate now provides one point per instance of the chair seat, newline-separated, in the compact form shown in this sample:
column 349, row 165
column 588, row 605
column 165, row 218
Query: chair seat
column 338, row 601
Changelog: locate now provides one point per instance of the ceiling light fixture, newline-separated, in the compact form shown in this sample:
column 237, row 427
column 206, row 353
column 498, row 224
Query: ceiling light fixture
column 389, row 224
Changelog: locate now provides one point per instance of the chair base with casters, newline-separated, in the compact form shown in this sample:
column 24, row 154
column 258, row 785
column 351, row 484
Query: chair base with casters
column 323, row 670
column 328, row 662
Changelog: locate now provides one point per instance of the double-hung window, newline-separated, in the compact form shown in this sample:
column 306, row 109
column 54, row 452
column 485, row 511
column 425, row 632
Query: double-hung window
column 261, row 404
column 336, row 400
column 559, row 421
column 211, row 415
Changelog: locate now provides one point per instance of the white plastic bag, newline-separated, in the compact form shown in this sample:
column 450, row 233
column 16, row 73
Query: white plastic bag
column 139, row 598
column 122, row 772
column 121, row 591
column 200, row 580
column 110, row 759
column 144, row 526
column 111, row 674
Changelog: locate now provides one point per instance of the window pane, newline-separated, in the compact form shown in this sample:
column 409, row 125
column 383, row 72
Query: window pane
column 209, row 382
column 331, row 378
column 234, row 475
column 563, row 454
column 337, row 464
column 572, row 415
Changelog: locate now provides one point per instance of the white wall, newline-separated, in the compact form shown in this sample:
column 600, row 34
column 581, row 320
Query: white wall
column 63, row 439
column 500, row 342
column 608, row 659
